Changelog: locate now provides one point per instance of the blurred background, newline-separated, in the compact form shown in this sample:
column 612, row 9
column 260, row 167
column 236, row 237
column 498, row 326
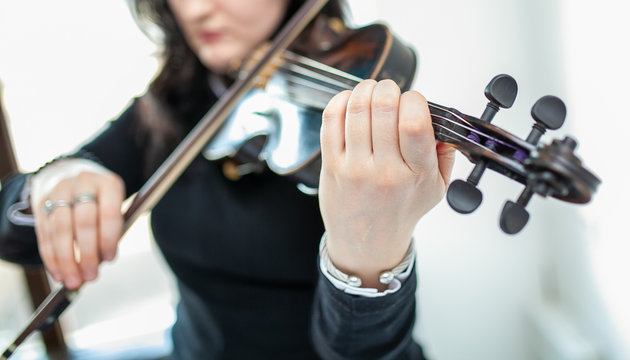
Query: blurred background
column 557, row 290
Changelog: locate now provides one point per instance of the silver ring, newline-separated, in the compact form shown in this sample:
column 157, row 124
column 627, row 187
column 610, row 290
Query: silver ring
column 49, row 205
column 84, row 198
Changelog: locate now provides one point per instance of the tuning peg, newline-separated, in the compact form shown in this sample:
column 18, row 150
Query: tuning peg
column 501, row 91
column 464, row 196
column 549, row 113
column 514, row 216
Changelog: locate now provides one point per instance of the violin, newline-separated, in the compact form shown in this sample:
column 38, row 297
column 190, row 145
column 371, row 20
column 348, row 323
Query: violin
column 272, row 113
column 277, row 125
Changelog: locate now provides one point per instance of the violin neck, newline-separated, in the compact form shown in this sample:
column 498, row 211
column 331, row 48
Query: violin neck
column 312, row 84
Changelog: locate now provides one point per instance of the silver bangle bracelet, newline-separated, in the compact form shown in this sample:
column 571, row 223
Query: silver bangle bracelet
column 385, row 277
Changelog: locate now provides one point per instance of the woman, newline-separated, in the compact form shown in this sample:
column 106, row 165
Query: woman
column 245, row 251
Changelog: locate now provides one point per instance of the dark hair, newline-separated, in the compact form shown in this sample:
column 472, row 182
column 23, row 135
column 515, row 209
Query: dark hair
column 180, row 95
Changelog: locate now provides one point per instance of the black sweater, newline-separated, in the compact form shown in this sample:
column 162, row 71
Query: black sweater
column 245, row 256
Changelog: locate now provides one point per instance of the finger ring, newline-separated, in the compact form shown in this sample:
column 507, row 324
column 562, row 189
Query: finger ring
column 49, row 205
column 84, row 198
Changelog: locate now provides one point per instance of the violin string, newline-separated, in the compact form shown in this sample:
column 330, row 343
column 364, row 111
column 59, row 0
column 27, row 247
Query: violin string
column 477, row 132
column 449, row 111
column 445, row 135
column 309, row 87
column 309, row 65
column 302, row 90
column 314, row 65
column 306, row 82
column 472, row 128
column 462, row 137
column 310, row 73
column 462, row 123
column 311, row 81
column 469, row 128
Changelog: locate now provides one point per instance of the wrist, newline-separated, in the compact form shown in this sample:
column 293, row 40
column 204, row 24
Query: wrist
column 367, row 252
column 374, row 276
column 47, row 177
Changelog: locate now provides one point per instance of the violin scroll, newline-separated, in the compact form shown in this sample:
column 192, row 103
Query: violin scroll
column 547, row 170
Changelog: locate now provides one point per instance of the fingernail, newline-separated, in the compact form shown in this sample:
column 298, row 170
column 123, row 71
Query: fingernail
column 108, row 256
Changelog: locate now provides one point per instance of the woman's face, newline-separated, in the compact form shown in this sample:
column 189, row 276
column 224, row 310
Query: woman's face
column 223, row 31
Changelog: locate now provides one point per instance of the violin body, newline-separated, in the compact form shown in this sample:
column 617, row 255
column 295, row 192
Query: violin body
column 279, row 125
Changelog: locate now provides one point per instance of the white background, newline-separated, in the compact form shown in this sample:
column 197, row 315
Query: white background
column 557, row 290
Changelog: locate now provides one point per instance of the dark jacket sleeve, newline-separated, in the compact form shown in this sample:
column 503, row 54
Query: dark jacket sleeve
column 18, row 243
column 117, row 148
column 347, row 326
